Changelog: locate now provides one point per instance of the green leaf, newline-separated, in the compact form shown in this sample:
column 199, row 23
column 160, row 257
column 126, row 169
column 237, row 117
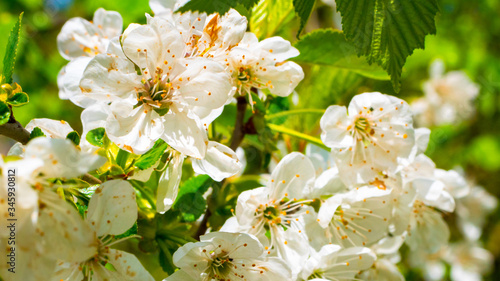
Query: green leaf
column 303, row 8
column 74, row 137
column 269, row 16
column 199, row 183
column 9, row 60
column 215, row 6
column 149, row 158
column 96, row 137
column 4, row 113
column 122, row 157
column 329, row 47
column 387, row 31
column 36, row 132
column 190, row 201
column 18, row 99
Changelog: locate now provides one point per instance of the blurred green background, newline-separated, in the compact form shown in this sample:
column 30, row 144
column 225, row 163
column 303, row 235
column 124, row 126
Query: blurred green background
column 468, row 38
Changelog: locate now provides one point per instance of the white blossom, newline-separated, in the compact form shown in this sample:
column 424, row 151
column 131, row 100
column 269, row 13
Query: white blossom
column 448, row 97
column 227, row 256
column 371, row 134
column 112, row 210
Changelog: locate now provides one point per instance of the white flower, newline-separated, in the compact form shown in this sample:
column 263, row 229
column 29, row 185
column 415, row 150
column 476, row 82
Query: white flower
column 159, row 102
column 79, row 41
column 277, row 209
column 112, row 210
column 377, row 130
column 469, row 262
column 227, row 256
column 382, row 270
column 334, row 263
column 79, row 37
column 472, row 211
column 263, row 65
column 354, row 219
column 448, row 97
column 427, row 230
column 48, row 227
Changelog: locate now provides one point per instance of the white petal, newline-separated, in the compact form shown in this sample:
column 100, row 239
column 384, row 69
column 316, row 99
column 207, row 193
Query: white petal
column 220, row 162
column 203, row 83
column 333, row 124
column 109, row 22
column 283, row 78
column 108, row 78
column 64, row 233
column 168, row 185
column 185, row 135
column 79, row 37
column 294, row 172
column 62, row 158
column 278, row 48
column 128, row 266
column 51, row 128
column 150, row 46
column 112, row 209
column 134, row 129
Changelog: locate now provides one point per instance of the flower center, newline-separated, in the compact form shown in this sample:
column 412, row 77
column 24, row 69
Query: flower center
column 362, row 126
column 221, row 265
column 157, row 94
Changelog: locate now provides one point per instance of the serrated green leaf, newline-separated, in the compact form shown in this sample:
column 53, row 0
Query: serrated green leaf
column 18, row 99
column 9, row 60
column 215, row 6
column 387, row 31
column 36, row 132
column 96, row 137
column 151, row 156
column 269, row 16
column 329, row 47
column 303, row 8
column 74, row 137
column 4, row 113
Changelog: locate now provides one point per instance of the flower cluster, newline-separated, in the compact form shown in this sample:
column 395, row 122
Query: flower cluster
column 351, row 210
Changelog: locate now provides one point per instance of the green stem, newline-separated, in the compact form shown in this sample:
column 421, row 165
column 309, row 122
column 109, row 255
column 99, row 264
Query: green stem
column 284, row 130
column 144, row 194
column 122, row 157
column 295, row 111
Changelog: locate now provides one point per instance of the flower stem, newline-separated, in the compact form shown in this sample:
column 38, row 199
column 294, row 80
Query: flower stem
column 295, row 111
column 284, row 130
column 14, row 130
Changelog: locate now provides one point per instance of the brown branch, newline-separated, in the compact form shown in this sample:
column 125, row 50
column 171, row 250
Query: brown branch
column 91, row 179
column 14, row 130
column 239, row 127
column 238, row 136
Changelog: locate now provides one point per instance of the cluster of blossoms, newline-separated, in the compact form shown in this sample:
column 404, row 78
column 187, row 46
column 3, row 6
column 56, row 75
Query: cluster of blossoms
column 448, row 97
column 342, row 214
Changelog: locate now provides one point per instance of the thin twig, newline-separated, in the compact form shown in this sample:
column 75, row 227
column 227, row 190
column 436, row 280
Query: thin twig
column 239, row 127
column 238, row 136
column 91, row 179
column 14, row 130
